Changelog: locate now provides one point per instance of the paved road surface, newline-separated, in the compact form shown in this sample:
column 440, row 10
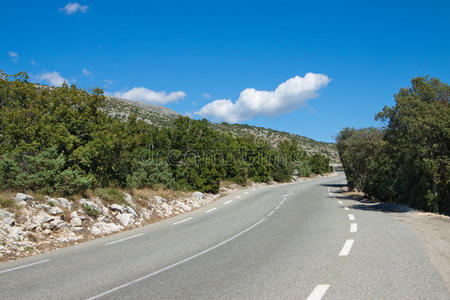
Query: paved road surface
column 286, row 241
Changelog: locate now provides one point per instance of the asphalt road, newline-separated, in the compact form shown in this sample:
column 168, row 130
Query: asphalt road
column 286, row 241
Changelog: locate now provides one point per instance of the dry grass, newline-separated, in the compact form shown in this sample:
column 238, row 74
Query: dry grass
column 355, row 195
column 231, row 184
column 7, row 200
column 145, row 194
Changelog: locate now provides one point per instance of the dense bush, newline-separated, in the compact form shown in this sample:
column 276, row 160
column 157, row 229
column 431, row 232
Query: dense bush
column 59, row 140
column 150, row 173
column 407, row 161
column 43, row 172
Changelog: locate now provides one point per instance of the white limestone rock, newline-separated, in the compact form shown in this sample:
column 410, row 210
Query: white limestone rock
column 8, row 220
column 198, row 195
column 42, row 217
column 160, row 200
column 117, row 207
column 65, row 203
column 23, row 197
column 126, row 219
column 90, row 203
column 52, row 201
column 56, row 211
column 130, row 201
column 145, row 213
column 100, row 228
column 6, row 214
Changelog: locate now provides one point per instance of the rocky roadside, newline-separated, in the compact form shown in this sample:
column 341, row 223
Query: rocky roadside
column 33, row 226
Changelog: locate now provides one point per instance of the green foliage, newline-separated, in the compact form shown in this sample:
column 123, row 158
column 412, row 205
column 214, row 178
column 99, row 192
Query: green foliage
column 60, row 140
column 319, row 164
column 111, row 195
column 408, row 160
column 90, row 211
column 149, row 173
column 43, row 172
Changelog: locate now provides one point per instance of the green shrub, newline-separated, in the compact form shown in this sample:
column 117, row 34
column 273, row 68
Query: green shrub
column 9, row 169
column 72, row 181
column 149, row 173
column 90, row 211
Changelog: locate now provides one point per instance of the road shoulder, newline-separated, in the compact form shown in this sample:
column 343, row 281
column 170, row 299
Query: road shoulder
column 434, row 232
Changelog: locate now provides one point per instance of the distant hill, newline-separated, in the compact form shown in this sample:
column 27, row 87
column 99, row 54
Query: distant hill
column 163, row 117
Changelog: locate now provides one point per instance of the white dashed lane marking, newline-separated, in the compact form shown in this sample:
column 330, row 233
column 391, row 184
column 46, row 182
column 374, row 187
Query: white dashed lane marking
column 351, row 217
column 182, row 221
column 318, row 292
column 239, row 196
column 25, row 266
column 346, row 248
column 211, row 209
column 125, row 239
column 353, row 227
column 228, row 202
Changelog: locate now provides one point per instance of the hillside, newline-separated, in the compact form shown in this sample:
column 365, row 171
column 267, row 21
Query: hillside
column 162, row 116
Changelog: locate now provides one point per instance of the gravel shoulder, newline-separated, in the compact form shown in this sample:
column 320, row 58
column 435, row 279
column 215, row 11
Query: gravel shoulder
column 434, row 231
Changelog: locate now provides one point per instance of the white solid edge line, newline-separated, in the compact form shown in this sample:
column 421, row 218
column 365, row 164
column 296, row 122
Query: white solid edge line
column 346, row 208
column 318, row 292
column 271, row 213
column 211, row 209
column 346, row 248
column 278, row 206
column 124, row 239
column 353, row 227
column 24, row 266
column 340, row 202
column 177, row 263
column 182, row 221
column 351, row 217
column 228, row 202
column 237, row 197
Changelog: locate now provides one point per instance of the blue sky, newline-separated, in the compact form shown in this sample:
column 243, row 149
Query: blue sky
column 201, row 51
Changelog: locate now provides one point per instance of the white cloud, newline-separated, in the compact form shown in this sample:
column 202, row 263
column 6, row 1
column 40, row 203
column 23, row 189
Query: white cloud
column 86, row 72
column 14, row 56
column 207, row 96
column 54, row 78
column 74, row 7
column 287, row 97
column 145, row 95
column 107, row 81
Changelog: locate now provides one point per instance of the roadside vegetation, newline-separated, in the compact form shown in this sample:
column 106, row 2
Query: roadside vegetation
column 407, row 160
column 60, row 141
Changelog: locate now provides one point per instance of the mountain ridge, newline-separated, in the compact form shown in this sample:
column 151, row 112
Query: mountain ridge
column 164, row 117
